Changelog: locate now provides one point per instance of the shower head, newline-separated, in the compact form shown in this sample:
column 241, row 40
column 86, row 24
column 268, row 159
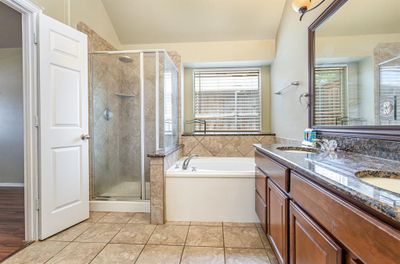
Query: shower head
column 125, row 59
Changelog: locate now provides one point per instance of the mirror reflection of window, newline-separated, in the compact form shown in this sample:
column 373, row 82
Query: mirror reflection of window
column 357, row 65
column 330, row 94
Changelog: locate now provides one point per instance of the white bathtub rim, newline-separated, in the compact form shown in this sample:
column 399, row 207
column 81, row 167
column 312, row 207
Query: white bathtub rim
column 209, row 174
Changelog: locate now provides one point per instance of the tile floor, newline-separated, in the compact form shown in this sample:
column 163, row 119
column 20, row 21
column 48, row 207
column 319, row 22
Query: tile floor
column 122, row 238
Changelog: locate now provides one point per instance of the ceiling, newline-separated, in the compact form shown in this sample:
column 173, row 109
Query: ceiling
column 363, row 17
column 169, row 21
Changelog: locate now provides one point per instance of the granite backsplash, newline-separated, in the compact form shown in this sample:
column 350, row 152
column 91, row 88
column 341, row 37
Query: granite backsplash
column 386, row 149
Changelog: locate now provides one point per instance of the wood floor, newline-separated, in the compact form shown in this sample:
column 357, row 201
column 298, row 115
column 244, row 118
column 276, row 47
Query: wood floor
column 12, row 227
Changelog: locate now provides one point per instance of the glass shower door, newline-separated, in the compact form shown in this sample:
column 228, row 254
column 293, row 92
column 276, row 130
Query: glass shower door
column 116, row 126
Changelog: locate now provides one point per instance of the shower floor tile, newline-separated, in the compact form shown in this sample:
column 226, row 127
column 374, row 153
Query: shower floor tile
column 126, row 189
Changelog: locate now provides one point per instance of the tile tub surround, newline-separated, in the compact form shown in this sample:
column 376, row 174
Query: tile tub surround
column 385, row 149
column 336, row 172
column 175, row 243
column 159, row 163
column 224, row 145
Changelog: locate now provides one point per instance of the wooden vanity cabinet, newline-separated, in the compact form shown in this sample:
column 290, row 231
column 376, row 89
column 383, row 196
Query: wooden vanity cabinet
column 260, row 198
column 367, row 237
column 277, row 221
column 276, row 172
column 308, row 242
column 309, row 224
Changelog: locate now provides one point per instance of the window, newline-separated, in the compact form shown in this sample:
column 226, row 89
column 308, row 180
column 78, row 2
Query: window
column 227, row 100
column 330, row 95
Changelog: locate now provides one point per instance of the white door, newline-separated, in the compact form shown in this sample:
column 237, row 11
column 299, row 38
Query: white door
column 64, row 156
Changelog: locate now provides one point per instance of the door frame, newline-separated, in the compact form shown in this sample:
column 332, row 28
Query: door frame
column 29, row 12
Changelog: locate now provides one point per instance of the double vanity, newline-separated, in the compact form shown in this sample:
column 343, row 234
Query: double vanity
column 319, row 207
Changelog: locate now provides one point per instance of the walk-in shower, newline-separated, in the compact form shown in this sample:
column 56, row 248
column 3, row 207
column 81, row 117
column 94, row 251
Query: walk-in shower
column 134, row 112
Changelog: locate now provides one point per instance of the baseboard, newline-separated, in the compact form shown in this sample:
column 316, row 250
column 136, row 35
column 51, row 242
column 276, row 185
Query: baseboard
column 11, row 184
column 120, row 206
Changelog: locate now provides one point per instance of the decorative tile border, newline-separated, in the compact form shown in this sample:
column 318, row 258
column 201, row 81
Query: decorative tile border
column 224, row 146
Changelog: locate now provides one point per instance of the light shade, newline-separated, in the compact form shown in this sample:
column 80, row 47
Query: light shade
column 301, row 5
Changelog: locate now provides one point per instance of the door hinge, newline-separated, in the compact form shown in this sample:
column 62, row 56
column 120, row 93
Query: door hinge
column 35, row 38
column 37, row 205
column 36, row 121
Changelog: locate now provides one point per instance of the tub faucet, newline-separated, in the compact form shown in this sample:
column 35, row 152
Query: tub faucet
column 186, row 162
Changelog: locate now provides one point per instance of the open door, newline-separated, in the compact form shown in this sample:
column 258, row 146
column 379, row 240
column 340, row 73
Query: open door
column 64, row 150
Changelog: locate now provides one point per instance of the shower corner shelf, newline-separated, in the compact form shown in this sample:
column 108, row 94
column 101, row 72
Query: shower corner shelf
column 124, row 95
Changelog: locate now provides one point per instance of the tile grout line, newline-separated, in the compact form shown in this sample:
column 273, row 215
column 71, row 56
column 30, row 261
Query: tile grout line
column 107, row 243
column 145, row 244
column 184, row 244
column 47, row 261
column 223, row 241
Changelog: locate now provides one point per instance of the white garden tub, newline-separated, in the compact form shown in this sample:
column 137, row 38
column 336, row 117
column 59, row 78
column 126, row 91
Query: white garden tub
column 217, row 189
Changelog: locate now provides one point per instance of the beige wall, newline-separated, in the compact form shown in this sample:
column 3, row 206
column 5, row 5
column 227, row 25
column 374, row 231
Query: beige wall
column 11, row 113
column 265, row 97
column 289, row 118
column 351, row 46
column 219, row 51
column 91, row 12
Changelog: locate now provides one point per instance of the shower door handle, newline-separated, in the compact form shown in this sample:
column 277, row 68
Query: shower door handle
column 85, row 136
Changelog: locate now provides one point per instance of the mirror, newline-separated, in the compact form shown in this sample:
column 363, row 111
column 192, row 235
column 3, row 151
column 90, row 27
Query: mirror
column 356, row 71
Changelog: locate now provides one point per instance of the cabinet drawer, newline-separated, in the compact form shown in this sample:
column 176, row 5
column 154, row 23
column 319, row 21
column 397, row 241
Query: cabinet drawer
column 261, row 210
column 261, row 184
column 275, row 171
column 368, row 238
column 308, row 242
column 277, row 221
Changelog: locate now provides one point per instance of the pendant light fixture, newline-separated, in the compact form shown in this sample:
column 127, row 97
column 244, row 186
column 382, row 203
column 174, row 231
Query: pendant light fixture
column 304, row 6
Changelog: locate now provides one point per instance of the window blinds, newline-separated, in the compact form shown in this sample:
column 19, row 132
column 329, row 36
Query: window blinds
column 228, row 100
column 330, row 107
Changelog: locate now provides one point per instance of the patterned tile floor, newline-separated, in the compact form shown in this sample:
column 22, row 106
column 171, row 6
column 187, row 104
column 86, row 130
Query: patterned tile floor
column 108, row 238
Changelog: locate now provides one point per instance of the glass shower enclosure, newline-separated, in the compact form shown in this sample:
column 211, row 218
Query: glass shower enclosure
column 133, row 112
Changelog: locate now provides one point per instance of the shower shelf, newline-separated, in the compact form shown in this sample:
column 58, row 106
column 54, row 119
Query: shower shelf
column 124, row 95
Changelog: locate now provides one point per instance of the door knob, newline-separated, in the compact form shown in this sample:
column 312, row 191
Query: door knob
column 85, row 136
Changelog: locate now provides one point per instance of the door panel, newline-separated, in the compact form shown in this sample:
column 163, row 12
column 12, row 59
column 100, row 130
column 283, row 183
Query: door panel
column 64, row 168
column 308, row 242
column 277, row 220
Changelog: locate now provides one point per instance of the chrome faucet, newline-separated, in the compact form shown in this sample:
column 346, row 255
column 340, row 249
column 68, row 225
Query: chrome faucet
column 326, row 145
column 186, row 162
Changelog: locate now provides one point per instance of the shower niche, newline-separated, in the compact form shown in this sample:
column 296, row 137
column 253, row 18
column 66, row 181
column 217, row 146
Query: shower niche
column 133, row 112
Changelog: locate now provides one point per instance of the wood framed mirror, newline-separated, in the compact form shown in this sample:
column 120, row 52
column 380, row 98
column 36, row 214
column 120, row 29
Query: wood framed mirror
column 354, row 69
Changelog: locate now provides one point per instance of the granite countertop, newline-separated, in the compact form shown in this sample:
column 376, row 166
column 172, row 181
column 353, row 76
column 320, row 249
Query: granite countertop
column 336, row 172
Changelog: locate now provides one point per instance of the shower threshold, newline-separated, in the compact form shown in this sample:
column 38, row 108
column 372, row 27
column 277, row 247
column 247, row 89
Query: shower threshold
column 117, row 198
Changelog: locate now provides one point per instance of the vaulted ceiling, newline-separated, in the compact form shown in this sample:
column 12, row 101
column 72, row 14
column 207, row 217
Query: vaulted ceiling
column 169, row 21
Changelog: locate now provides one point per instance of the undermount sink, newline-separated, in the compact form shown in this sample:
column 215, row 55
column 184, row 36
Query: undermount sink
column 387, row 180
column 298, row 149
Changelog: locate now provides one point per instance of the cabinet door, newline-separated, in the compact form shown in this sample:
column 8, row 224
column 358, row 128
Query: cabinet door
column 308, row 242
column 277, row 215
column 261, row 211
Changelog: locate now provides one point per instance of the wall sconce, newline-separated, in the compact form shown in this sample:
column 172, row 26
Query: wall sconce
column 303, row 6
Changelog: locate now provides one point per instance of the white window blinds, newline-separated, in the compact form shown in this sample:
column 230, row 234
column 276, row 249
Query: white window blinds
column 227, row 100
column 330, row 92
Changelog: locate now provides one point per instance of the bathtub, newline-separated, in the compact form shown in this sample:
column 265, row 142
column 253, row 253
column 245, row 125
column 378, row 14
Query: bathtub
column 211, row 189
